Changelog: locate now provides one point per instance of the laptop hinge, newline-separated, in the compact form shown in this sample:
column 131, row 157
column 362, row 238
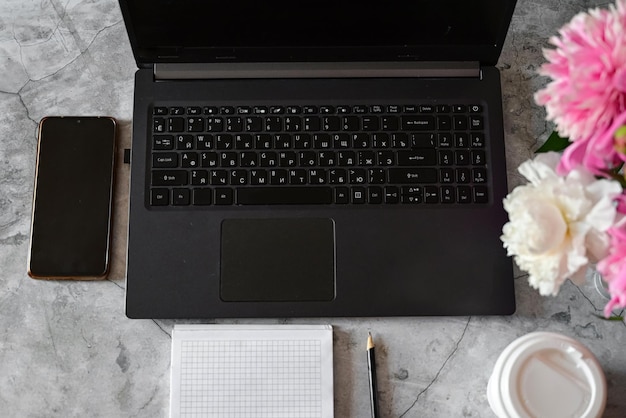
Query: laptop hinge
column 315, row 70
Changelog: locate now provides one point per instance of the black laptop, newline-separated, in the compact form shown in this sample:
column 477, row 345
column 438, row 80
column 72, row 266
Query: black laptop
column 317, row 158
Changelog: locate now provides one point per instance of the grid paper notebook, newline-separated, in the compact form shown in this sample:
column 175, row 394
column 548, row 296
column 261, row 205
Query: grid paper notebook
column 252, row 371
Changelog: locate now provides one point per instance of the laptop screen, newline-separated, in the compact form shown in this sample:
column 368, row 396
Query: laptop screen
column 275, row 30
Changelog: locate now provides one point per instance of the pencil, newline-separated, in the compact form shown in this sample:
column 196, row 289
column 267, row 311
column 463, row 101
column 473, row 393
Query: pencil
column 371, row 365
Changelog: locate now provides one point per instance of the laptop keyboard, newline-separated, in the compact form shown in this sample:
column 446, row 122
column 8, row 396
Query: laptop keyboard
column 318, row 155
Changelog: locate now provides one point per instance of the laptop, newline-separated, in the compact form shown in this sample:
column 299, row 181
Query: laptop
column 317, row 159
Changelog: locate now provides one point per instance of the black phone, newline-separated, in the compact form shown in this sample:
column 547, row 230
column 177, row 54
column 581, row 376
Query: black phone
column 72, row 199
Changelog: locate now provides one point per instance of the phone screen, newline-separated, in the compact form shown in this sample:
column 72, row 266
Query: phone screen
column 71, row 217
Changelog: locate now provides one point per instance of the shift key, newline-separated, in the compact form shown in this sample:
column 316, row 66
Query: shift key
column 412, row 175
column 169, row 178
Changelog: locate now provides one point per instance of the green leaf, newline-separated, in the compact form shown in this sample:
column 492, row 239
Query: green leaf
column 554, row 143
column 611, row 318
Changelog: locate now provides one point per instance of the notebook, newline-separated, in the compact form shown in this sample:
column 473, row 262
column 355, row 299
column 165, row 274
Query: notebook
column 252, row 371
column 294, row 159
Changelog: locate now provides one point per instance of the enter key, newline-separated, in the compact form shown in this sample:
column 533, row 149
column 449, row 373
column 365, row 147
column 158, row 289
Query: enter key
column 417, row 157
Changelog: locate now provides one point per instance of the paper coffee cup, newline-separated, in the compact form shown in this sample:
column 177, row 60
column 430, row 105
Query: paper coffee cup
column 544, row 374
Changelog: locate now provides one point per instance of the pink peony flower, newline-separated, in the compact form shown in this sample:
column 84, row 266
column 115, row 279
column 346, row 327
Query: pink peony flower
column 588, row 71
column 613, row 268
column 597, row 153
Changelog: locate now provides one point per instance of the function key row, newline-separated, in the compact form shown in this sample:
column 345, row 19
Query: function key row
column 311, row 110
column 311, row 123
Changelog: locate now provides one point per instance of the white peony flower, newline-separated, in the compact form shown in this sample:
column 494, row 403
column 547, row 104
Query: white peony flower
column 557, row 225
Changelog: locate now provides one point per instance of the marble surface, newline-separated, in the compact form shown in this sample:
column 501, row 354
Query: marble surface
column 67, row 349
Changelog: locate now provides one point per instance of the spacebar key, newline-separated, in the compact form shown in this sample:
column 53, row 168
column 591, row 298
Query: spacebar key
column 284, row 195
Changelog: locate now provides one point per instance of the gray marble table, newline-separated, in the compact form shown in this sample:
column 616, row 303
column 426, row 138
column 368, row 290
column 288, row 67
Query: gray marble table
column 68, row 350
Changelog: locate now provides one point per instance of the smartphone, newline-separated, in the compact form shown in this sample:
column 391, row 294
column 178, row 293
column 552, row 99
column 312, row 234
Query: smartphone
column 71, row 218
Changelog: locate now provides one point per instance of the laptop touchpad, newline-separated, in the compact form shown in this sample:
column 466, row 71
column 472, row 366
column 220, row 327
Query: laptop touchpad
column 278, row 260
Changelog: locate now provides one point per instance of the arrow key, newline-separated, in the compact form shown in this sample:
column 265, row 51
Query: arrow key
column 431, row 194
column 392, row 194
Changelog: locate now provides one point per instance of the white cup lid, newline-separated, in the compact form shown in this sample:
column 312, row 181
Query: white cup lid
column 545, row 374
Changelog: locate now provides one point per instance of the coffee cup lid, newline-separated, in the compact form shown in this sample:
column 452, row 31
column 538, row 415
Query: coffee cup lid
column 547, row 374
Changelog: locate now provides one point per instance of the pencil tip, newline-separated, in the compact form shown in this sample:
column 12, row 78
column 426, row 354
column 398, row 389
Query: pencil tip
column 370, row 341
